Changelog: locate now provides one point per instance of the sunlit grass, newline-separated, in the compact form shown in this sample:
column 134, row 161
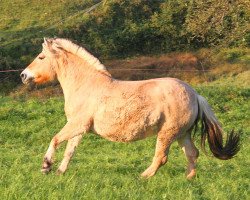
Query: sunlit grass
column 17, row 25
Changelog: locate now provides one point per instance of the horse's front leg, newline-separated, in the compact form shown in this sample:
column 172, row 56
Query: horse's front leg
column 71, row 129
column 71, row 146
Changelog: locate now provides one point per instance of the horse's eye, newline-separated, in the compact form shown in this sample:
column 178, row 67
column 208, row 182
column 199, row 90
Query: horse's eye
column 41, row 57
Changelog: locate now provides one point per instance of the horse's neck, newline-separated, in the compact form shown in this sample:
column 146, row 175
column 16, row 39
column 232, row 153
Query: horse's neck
column 75, row 74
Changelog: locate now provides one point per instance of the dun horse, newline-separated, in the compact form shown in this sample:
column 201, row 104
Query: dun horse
column 124, row 111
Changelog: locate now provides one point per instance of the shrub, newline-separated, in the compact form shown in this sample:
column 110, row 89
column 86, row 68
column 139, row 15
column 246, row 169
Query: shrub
column 122, row 28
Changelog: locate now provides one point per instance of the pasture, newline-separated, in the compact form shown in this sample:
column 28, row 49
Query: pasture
column 123, row 30
column 102, row 169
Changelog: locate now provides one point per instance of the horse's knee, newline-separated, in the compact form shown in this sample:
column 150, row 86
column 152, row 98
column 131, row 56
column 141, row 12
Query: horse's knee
column 55, row 141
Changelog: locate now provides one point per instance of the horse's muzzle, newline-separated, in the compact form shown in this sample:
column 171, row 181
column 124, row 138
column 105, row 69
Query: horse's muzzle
column 26, row 77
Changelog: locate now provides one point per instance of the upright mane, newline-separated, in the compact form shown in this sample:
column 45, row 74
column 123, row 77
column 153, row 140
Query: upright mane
column 79, row 51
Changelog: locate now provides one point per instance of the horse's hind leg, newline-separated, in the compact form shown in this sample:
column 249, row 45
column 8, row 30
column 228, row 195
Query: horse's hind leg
column 164, row 140
column 191, row 153
column 71, row 146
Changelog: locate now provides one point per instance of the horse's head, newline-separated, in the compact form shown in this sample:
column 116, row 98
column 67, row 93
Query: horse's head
column 42, row 69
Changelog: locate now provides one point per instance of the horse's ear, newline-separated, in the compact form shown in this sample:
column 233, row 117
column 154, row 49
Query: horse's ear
column 47, row 46
column 45, row 41
column 57, row 47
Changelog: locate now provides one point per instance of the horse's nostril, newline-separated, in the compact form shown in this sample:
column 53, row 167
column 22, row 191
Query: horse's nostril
column 23, row 76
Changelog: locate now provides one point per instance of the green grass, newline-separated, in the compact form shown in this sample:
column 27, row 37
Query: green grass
column 24, row 24
column 102, row 169
column 22, row 19
column 106, row 170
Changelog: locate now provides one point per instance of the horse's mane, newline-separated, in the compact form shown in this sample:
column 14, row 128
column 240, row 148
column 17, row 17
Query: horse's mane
column 81, row 52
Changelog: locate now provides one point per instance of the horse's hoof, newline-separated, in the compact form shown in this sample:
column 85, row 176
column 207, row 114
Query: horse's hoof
column 59, row 172
column 148, row 173
column 45, row 170
column 46, row 166
column 191, row 175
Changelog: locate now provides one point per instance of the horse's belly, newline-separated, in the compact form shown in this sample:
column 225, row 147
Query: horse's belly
column 127, row 116
column 128, row 134
column 126, row 128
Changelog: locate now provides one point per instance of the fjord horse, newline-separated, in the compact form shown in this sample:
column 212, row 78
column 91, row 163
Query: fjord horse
column 124, row 111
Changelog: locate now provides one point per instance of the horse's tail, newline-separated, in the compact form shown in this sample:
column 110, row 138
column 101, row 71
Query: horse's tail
column 212, row 131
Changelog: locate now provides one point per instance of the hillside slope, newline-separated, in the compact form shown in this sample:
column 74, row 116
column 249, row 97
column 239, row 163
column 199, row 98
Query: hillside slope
column 121, row 28
column 23, row 18
column 138, row 30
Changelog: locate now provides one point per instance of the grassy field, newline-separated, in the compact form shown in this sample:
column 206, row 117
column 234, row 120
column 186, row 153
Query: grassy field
column 17, row 23
column 101, row 169
column 105, row 170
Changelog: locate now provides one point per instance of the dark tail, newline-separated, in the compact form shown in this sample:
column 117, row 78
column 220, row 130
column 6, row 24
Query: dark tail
column 212, row 131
